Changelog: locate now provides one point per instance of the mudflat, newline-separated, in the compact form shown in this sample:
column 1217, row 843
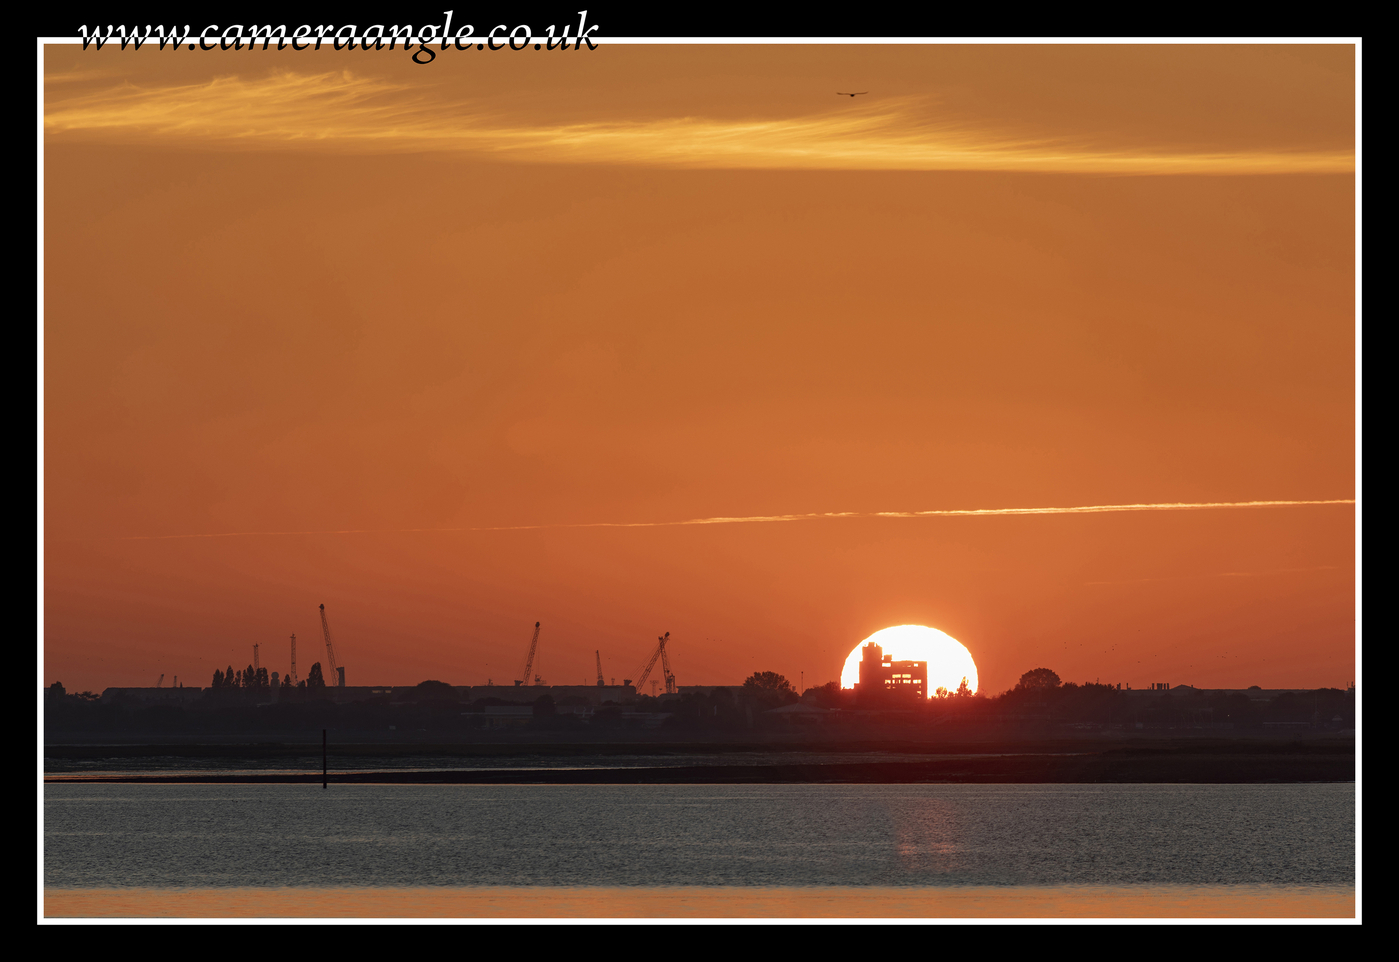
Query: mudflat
column 1174, row 761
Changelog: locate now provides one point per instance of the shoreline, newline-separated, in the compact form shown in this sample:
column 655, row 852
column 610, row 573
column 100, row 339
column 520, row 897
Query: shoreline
column 1005, row 769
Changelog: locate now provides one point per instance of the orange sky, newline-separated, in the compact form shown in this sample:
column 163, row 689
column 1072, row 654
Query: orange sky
column 320, row 292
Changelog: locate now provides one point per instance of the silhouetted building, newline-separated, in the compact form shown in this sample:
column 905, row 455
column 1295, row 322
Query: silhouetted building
column 880, row 673
column 152, row 696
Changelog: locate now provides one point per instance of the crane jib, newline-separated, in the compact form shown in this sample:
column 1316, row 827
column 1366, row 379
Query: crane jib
column 526, row 679
column 329, row 648
column 659, row 653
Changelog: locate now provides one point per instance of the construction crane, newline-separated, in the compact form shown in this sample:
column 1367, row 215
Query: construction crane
column 599, row 668
column 665, row 668
column 256, row 664
column 529, row 658
column 329, row 648
column 160, row 679
column 659, row 653
column 293, row 661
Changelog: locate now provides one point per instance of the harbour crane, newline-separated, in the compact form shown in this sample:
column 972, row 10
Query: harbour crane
column 293, row 661
column 329, row 648
column 659, row 653
column 599, row 668
column 256, row 664
column 665, row 668
column 529, row 658
column 160, row 679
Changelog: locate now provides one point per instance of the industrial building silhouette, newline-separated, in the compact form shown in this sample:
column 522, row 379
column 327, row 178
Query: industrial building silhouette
column 882, row 677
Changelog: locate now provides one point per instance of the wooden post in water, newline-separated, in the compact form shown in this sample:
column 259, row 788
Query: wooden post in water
column 324, row 765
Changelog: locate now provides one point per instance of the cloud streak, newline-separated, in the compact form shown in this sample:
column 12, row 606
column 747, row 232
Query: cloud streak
column 1218, row 574
column 767, row 518
column 341, row 111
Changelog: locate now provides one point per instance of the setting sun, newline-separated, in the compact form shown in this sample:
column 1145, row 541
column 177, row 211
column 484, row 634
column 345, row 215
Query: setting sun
column 948, row 659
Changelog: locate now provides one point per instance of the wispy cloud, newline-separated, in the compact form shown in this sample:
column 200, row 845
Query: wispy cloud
column 1218, row 574
column 942, row 513
column 346, row 112
column 56, row 77
column 769, row 518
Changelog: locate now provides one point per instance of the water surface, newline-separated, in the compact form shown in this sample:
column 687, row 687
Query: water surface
column 115, row 835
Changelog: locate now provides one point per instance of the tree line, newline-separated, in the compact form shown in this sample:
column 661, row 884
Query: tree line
column 1040, row 693
column 258, row 678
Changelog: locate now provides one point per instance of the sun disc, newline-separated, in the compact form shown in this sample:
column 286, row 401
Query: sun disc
column 948, row 659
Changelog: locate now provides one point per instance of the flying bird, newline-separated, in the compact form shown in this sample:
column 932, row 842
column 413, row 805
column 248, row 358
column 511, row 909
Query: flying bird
column 841, row 93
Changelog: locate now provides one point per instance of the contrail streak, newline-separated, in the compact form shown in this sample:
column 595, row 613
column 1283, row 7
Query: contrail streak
column 756, row 519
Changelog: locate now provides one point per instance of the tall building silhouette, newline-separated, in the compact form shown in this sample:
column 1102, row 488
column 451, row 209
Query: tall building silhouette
column 879, row 673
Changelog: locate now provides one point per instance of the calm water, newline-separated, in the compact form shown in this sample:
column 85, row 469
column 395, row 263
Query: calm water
column 889, row 837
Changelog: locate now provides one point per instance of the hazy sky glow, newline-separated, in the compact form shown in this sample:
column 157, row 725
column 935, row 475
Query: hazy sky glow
column 1051, row 347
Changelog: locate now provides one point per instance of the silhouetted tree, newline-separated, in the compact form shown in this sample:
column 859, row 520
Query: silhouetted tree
column 315, row 679
column 964, row 690
column 218, row 679
column 769, row 689
column 942, row 692
column 230, row 678
column 434, row 691
column 827, row 696
column 768, row 681
column 1037, row 679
